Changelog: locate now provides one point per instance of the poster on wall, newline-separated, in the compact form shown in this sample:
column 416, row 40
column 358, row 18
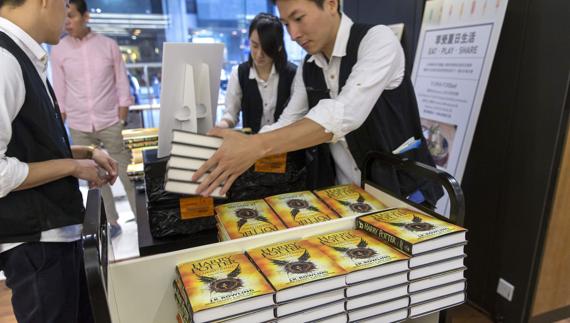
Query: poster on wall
column 456, row 47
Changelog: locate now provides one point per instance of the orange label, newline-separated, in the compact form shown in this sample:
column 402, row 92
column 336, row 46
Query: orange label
column 272, row 164
column 196, row 207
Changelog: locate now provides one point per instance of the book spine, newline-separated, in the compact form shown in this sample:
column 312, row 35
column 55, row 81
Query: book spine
column 384, row 236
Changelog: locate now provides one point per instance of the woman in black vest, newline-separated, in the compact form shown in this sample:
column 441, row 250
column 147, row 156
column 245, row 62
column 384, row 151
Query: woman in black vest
column 260, row 87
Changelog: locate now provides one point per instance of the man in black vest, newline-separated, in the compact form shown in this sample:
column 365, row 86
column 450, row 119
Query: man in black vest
column 41, row 208
column 351, row 92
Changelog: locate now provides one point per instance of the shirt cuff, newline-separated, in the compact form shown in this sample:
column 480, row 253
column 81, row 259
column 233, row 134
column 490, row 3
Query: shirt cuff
column 329, row 114
column 12, row 174
column 126, row 102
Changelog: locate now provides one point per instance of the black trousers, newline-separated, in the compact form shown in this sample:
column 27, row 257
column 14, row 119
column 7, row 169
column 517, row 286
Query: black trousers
column 47, row 280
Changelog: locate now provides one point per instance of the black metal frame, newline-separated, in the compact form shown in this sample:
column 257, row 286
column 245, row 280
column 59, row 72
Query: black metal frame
column 449, row 183
column 95, row 256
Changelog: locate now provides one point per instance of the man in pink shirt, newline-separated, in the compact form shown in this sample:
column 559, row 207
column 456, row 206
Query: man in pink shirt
column 90, row 82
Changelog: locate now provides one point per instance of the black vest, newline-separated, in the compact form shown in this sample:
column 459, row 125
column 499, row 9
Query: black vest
column 393, row 120
column 38, row 134
column 251, row 103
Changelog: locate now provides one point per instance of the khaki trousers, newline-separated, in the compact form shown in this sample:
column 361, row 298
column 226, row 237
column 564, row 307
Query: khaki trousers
column 111, row 140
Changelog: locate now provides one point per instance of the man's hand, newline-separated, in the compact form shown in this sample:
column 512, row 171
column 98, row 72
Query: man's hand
column 123, row 113
column 103, row 160
column 237, row 153
column 63, row 116
column 224, row 124
column 88, row 170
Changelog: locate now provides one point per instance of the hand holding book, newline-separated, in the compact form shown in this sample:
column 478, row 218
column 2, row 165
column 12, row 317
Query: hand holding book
column 237, row 153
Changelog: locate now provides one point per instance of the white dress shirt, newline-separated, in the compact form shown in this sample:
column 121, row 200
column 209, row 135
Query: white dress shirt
column 267, row 89
column 380, row 65
column 12, row 95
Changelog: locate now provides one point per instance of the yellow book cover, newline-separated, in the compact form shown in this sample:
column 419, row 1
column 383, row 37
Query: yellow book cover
column 137, row 154
column 293, row 263
column 405, row 228
column 355, row 250
column 221, row 280
column 247, row 218
column 300, row 208
column 350, row 200
column 139, row 132
column 135, row 169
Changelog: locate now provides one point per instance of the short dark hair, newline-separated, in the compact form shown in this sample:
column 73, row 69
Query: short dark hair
column 12, row 3
column 319, row 3
column 81, row 5
column 270, row 31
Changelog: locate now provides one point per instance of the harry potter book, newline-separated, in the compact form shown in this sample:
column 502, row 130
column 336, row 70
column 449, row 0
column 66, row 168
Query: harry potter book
column 297, row 268
column 357, row 313
column 300, row 208
column 230, row 280
column 411, row 232
column 247, row 218
column 361, row 255
column 350, row 200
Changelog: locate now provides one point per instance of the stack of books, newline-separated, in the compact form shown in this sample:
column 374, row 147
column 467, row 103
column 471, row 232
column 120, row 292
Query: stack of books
column 377, row 274
column 308, row 284
column 225, row 288
column 137, row 140
column 188, row 153
column 243, row 219
column 436, row 277
column 349, row 200
column 296, row 209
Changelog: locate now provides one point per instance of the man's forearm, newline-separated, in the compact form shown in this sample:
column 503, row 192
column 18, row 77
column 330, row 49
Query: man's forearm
column 123, row 113
column 301, row 134
column 41, row 173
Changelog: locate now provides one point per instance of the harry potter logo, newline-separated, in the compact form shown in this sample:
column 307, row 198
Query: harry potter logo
column 225, row 284
column 416, row 225
column 246, row 214
column 361, row 251
column 359, row 206
column 301, row 266
column 297, row 205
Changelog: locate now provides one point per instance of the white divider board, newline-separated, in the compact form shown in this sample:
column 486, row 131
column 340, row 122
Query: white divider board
column 140, row 290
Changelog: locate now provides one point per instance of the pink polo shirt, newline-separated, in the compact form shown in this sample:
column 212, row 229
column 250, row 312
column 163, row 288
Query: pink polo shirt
column 90, row 81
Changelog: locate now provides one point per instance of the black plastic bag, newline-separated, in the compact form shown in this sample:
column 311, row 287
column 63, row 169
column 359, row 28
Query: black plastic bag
column 253, row 185
column 164, row 207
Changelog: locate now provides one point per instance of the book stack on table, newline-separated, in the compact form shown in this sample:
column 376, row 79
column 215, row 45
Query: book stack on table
column 242, row 219
column 436, row 276
column 138, row 140
column 377, row 274
column 308, row 284
column 343, row 276
column 189, row 151
column 225, row 288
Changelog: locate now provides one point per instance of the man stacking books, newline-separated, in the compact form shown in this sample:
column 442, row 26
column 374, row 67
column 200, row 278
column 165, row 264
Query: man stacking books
column 436, row 249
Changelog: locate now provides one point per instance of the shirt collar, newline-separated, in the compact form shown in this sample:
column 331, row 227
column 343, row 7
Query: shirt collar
column 25, row 41
column 253, row 73
column 87, row 37
column 340, row 43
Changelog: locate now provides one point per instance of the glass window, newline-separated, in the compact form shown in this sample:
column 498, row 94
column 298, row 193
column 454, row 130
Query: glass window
column 141, row 26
